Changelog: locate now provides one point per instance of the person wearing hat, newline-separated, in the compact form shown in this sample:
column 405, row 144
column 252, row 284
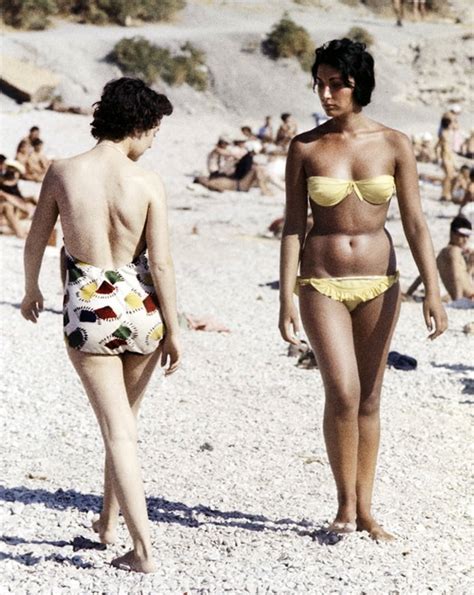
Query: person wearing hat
column 455, row 262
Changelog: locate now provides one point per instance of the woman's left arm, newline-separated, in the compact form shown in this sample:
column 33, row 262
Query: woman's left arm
column 418, row 236
column 44, row 219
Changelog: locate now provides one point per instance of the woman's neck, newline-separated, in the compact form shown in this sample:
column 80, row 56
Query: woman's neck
column 350, row 123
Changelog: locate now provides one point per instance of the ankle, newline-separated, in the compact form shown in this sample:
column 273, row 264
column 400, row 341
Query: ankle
column 142, row 551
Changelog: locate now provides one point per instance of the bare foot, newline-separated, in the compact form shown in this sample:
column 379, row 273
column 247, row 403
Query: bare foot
column 375, row 531
column 130, row 561
column 342, row 527
column 106, row 534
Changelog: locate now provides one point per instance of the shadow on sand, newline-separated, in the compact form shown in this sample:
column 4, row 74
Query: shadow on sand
column 161, row 510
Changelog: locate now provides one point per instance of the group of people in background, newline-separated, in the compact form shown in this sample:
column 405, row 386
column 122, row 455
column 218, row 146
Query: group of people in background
column 30, row 164
column 453, row 145
column 251, row 159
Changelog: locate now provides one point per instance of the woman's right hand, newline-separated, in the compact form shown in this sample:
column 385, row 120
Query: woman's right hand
column 289, row 323
column 170, row 353
column 32, row 305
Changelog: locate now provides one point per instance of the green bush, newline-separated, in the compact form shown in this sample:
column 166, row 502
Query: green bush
column 287, row 39
column 138, row 57
column 361, row 35
column 27, row 14
column 33, row 14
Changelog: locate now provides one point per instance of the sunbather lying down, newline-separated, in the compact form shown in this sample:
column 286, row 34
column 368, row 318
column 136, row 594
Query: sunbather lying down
column 255, row 177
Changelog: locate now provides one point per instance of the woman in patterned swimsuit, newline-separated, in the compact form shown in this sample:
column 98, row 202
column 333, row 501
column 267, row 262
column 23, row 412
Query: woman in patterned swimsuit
column 119, row 306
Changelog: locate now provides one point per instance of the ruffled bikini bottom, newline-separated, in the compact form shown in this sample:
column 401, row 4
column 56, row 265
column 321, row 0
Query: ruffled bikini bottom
column 351, row 291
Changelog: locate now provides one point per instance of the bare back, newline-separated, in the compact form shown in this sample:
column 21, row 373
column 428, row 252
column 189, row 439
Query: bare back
column 103, row 199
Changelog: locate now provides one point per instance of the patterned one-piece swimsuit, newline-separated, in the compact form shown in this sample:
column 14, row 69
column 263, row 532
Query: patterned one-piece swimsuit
column 111, row 311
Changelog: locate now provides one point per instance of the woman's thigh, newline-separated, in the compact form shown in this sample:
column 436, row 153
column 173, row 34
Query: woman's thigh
column 328, row 326
column 373, row 325
column 103, row 381
column 137, row 372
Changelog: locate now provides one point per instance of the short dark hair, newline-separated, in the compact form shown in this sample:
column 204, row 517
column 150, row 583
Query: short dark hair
column 34, row 129
column 2, row 158
column 36, row 142
column 465, row 167
column 352, row 60
column 460, row 225
column 445, row 123
column 128, row 106
column 285, row 116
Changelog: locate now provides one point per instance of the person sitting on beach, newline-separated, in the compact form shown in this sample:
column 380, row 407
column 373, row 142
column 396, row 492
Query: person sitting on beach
column 3, row 167
column 469, row 193
column 9, row 184
column 452, row 263
column 265, row 133
column 287, row 130
column 119, row 319
column 23, row 151
column 245, row 175
column 221, row 160
column 247, row 132
column 445, row 153
column 460, row 184
column 426, row 152
column 467, row 148
column 14, row 207
column 37, row 163
column 33, row 135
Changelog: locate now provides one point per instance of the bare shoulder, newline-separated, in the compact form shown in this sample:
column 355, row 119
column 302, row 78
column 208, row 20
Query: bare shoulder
column 304, row 141
column 153, row 183
column 397, row 139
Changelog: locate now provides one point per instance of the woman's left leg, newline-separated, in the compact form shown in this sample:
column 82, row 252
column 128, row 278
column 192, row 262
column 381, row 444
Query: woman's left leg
column 137, row 371
column 373, row 325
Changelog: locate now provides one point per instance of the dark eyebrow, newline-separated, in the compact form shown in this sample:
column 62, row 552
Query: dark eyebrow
column 336, row 77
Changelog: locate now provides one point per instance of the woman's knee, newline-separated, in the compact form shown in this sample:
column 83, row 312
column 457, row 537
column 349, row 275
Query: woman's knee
column 343, row 401
column 370, row 403
column 119, row 432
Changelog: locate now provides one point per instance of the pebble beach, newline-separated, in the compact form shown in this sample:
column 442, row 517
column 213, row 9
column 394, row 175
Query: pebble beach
column 238, row 485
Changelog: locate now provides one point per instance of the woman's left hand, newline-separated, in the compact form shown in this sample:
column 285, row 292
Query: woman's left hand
column 435, row 316
column 32, row 305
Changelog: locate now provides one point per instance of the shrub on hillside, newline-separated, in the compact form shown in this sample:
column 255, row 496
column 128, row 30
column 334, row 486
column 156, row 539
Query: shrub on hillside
column 142, row 59
column 188, row 67
column 27, row 14
column 361, row 35
column 286, row 40
column 119, row 11
column 33, row 14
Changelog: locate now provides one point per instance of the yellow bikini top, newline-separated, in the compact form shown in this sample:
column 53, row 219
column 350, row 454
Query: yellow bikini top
column 328, row 192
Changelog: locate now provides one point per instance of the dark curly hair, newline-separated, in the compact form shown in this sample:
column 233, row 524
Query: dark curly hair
column 352, row 60
column 127, row 106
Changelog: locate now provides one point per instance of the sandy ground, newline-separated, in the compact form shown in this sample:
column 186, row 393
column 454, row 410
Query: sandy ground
column 234, row 462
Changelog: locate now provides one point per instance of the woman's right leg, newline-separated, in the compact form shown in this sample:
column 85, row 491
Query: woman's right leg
column 103, row 380
column 328, row 326
column 137, row 371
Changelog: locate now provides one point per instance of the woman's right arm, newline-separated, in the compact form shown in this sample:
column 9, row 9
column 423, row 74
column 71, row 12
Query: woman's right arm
column 294, row 231
column 162, row 272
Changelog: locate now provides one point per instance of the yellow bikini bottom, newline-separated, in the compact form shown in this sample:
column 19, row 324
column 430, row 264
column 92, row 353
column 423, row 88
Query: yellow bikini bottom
column 351, row 291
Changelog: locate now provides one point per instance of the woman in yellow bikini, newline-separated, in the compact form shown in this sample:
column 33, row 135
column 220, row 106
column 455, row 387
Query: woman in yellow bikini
column 348, row 285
